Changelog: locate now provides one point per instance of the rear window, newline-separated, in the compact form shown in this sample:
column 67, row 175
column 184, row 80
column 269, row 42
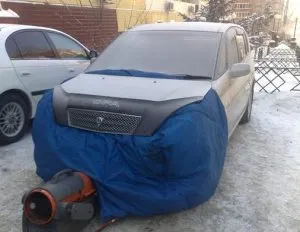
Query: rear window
column 12, row 49
column 33, row 45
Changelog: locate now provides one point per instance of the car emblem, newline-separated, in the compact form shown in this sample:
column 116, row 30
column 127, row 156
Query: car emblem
column 108, row 103
column 99, row 121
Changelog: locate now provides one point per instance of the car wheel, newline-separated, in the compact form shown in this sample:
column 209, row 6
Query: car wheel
column 14, row 115
column 247, row 115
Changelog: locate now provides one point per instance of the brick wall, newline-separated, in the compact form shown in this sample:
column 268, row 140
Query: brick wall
column 94, row 27
column 9, row 20
column 69, row 2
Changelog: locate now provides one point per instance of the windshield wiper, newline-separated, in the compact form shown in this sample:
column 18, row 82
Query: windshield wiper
column 138, row 73
column 117, row 72
column 193, row 77
column 126, row 71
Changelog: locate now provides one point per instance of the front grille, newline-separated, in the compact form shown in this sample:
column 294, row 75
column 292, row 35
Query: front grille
column 106, row 122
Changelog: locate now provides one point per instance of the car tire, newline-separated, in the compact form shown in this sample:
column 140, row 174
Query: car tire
column 14, row 117
column 247, row 115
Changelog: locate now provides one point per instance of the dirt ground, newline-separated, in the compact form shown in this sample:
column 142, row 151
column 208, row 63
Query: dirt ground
column 259, row 189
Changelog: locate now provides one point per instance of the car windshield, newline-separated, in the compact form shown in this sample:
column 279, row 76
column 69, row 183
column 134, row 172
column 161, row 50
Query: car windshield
column 167, row 53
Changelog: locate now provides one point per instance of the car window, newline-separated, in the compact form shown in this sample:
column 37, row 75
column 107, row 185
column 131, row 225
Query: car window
column 33, row 45
column 241, row 47
column 158, row 52
column 66, row 47
column 221, row 62
column 12, row 49
column 246, row 43
column 232, row 49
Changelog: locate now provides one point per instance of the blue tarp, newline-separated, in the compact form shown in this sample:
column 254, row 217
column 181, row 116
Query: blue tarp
column 177, row 168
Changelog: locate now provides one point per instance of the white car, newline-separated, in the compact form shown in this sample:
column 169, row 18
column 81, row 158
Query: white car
column 168, row 65
column 32, row 61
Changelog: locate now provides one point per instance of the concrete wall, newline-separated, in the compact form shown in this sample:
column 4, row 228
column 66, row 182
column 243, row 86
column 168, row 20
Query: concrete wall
column 157, row 5
column 127, row 4
column 183, row 7
column 135, row 12
column 179, row 6
column 128, row 18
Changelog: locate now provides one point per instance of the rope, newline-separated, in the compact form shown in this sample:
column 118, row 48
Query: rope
column 109, row 223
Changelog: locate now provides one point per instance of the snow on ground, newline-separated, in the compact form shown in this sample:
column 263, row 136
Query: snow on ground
column 259, row 189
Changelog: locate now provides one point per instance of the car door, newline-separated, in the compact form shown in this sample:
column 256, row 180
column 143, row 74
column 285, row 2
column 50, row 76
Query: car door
column 74, row 56
column 243, row 83
column 38, row 67
column 230, row 90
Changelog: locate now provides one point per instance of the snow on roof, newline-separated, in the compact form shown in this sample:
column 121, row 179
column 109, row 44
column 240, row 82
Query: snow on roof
column 185, row 26
column 7, row 13
column 4, row 25
column 21, row 26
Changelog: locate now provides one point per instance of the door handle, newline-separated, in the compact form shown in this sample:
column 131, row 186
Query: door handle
column 71, row 70
column 25, row 73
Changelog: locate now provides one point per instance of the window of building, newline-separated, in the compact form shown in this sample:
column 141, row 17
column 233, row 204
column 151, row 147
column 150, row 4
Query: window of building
column 242, row 6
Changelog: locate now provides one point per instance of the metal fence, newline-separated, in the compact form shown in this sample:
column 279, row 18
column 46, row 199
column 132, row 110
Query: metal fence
column 277, row 71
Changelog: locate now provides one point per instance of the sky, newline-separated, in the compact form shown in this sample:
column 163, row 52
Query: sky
column 295, row 7
column 294, row 11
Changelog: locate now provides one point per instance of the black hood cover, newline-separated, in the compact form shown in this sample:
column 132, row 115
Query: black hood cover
column 151, row 114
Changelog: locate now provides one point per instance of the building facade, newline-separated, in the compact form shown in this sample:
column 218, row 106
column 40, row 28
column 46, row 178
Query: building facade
column 94, row 22
column 132, row 12
column 244, row 8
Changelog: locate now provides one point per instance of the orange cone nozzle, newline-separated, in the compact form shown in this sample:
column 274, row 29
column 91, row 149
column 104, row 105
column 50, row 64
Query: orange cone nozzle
column 40, row 207
column 63, row 196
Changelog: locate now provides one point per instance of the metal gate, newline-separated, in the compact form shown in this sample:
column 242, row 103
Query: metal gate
column 278, row 71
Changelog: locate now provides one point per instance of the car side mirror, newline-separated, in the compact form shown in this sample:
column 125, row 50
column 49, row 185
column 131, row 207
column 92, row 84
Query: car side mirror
column 240, row 70
column 93, row 55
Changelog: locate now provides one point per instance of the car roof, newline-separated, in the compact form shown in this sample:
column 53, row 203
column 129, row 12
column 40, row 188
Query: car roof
column 186, row 26
column 15, row 27
column 7, row 29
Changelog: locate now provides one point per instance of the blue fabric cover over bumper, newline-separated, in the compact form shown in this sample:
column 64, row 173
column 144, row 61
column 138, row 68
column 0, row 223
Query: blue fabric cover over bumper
column 177, row 168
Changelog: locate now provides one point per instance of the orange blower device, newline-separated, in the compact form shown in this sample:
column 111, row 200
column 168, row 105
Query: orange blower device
column 68, row 196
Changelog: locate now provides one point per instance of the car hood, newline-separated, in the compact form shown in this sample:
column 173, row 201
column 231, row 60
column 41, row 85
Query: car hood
column 139, row 104
column 139, row 88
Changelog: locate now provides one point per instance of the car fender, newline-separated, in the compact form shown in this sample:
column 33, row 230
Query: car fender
column 10, row 82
